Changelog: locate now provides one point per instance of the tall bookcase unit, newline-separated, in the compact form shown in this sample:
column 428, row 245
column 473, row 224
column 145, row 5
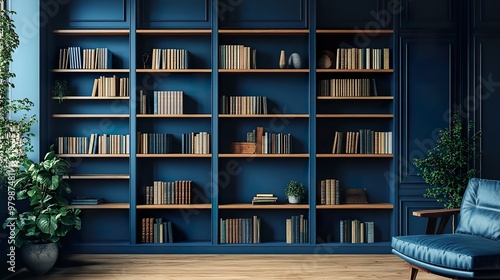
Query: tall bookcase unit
column 222, row 182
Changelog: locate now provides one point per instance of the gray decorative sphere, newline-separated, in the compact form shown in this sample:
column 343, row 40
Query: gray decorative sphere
column 295, row 61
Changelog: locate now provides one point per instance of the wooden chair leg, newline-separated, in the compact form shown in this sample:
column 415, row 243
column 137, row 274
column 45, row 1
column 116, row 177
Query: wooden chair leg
column 413, row 273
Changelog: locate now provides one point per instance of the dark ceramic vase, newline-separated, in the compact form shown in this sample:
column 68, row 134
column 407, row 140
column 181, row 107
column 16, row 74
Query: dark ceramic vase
column 39, row 258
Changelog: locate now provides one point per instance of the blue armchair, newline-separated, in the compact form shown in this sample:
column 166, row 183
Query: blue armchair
column 473, row 252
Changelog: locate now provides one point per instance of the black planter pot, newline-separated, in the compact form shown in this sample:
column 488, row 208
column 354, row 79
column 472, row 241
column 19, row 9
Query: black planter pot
column 39, row 258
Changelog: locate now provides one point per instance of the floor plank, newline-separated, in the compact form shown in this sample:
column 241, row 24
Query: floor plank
column 221, row 267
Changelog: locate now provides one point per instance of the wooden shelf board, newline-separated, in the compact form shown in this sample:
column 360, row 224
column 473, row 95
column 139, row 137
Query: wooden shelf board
column 174, row 155
column 102, row 206
column 176, row 206
column 367, row 116
column 264, row 155
column 121, row 116
column 355, row 97
column 265, row 116
column 264, row 31
column 354, row 155
column 354, row 31
column 263, row 70
column 174, row 31
column 373, row 206
column 91, row 70
column 354, row 70
column 174, row 116
column 107, row 32
column 94, row 155
column 174, row 70
column 92, row 98
column 263, row 206
column 98, row 176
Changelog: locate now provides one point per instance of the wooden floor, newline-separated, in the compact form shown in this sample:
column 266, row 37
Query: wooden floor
column 220, row 267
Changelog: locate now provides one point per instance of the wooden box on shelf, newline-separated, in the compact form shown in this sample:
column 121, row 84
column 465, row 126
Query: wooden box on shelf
column 243, row 148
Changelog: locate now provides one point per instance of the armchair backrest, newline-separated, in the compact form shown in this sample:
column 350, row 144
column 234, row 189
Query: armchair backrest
column 480, row 210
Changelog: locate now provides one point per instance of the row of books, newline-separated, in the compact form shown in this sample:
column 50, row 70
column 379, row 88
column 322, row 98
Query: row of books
column 329, row 192
column 357, row 58
column 355, row 231
column 297, row 229
column 347, row 87
column 269, row 142
column 240, row 230
column 154, row 143
column 168, row 102
column 276, row 143
column 364, row 141
column 95, row 144
column 237, row 57
column 163, row 102
column 76, row 58
column 110, row 86
column 243, row 105
column 156, row 230
column 264, row 198
column 170, row 59
column 86, row 200
column 195, row 143
column 176, row 192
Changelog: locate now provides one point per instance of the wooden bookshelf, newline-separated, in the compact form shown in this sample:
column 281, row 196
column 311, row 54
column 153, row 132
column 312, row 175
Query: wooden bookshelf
column 187, row 116
column 86, row 32
column 354, row 70
column 354, row 31
column 355, row 97
column 174, row 31
column 264, row 71
column 263, row 206
column 355, row 155
column 285, row 116
column 86, row 116
column 98, row 177
column 175, row 206
column 264, row 155
column 264, row 32
column 352, row 116
column 174, row 70
column 94, row 155
column 92, row 98
column 367, row 206
column 174, row 155
column 102, row 206
column 90, row 70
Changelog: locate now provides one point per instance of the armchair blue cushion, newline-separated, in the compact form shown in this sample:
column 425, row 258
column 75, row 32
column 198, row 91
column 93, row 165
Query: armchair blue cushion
column 474, row 251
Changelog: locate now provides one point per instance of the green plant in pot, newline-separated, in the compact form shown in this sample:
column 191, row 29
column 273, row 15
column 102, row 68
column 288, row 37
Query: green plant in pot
column 295, row 192
column 447, row 167
column 39, row 229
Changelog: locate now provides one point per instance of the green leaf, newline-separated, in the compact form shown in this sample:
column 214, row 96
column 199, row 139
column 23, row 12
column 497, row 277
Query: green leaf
column 47, row 224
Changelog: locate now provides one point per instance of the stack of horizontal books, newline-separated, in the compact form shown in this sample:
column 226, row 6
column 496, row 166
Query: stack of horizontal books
column 264, row 198
column 85, row 200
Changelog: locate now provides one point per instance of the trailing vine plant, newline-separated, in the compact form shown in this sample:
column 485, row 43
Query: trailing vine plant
column 15, row 123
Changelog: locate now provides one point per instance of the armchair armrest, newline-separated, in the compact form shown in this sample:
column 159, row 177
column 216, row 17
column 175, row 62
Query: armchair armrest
column 433, row 215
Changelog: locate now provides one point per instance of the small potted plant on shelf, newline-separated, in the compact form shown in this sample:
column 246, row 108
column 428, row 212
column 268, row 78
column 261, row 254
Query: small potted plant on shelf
column 295, row 192
column 38, row 230
column 447, row 167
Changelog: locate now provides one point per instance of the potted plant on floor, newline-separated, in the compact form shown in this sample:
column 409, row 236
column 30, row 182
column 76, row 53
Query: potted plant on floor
column 447, row 167
column 295, row 192
column 48, row 219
